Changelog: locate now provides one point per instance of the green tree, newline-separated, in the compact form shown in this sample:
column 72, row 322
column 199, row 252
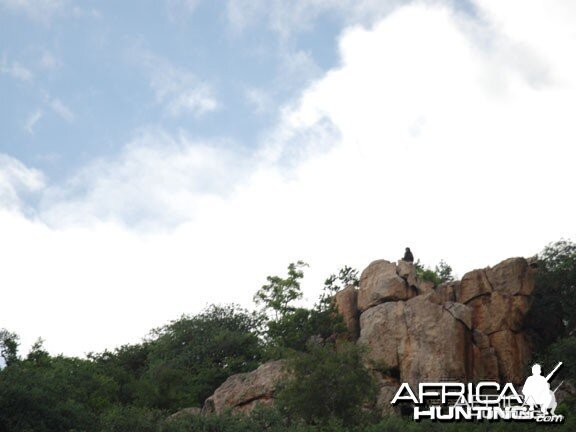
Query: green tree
column 442, row 273
column 292, row 328
column 192, row 356
column 8, row 346
column 329, row 382
column 126, row 366
column 346, row 276
column 563, row 350
column 278, row 294
column 49, row 394
column 556, row 282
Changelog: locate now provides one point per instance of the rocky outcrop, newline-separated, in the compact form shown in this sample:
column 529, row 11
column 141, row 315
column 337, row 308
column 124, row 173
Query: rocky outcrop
column 380, row 282
column 423, row 339
column 243, row 392
column 500, row 298
column 468, row 330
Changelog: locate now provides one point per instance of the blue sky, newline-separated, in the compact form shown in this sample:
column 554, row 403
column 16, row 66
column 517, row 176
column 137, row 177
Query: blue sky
column 156, row 157
column 79, row 83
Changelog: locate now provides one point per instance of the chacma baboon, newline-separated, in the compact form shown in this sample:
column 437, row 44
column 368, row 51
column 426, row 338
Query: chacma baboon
column 408, row 257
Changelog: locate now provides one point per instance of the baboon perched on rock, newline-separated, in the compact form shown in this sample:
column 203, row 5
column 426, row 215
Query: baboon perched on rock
column 408, row 257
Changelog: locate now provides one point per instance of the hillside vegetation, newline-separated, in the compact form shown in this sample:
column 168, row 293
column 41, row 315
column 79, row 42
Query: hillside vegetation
column 136, row 387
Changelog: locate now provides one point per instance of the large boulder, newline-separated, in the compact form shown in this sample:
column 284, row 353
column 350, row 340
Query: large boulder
column 420, row 339
column 407, row 271
column 514, row 276
column 500, row 299
column 474, row 284
column 243, row 392
column 384, row 333
column 380, row 283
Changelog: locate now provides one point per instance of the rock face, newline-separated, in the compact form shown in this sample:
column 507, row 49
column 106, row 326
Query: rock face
column 468, row 330
column 422, row 339
column 347, row 306
column 500, row 298
column 243, row 392
column 465, row 331
column 380, row 283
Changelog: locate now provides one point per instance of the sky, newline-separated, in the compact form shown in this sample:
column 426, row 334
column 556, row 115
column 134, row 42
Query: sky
column 160, row 156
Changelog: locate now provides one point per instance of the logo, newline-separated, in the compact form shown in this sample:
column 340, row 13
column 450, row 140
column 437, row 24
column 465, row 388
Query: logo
column 486, row 400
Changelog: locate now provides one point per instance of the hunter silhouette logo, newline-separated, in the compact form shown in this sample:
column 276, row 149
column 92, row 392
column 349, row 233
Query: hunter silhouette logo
column 486, row 400
column 537, row 391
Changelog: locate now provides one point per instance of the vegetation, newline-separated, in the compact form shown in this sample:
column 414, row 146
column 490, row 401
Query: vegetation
column 328, row 384
column 291, row 327
column 136, row 387
column 441, row 273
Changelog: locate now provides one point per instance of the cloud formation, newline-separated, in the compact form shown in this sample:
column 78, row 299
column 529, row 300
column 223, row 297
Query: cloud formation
column 15, row 70
column 32, row 120
column 178, row 90
column 290, row 18
column 448, row 133
column 16, row 182
column 160, row 180
column 44, row 11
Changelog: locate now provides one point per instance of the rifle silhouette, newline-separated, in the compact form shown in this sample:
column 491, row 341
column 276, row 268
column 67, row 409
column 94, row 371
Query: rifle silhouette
column 557, row 387
column 553, row 372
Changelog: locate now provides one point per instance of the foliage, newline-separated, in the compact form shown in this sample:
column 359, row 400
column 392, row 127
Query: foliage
column 442, row 273
column 556, row 283
column 346, row 276
column 126, row 366
column 8, row 346
column 43, row 393
column 295, row 330
column 131, row 418
column 329, row 382
column 278, row 294
column 192, row 356
column 292, row 328
column 563, row 350
column 135, row 387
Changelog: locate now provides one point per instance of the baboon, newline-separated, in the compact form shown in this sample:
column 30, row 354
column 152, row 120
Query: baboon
column 408, row 257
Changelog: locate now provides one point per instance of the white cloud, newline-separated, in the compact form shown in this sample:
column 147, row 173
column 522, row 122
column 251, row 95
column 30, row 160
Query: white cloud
column 178, row 90
column 39, row 10
column 61, row 109
column 16, row 182
column 181, row 8
column 44, row 10
column 32, row 120
column 15, row 70
column 289, row 18
column 259, row 99
column 48, row 61
column 452, row 136
column 159, row 180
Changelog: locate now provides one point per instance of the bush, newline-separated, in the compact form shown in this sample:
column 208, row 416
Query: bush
column 135, row 419
column 329, row 383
